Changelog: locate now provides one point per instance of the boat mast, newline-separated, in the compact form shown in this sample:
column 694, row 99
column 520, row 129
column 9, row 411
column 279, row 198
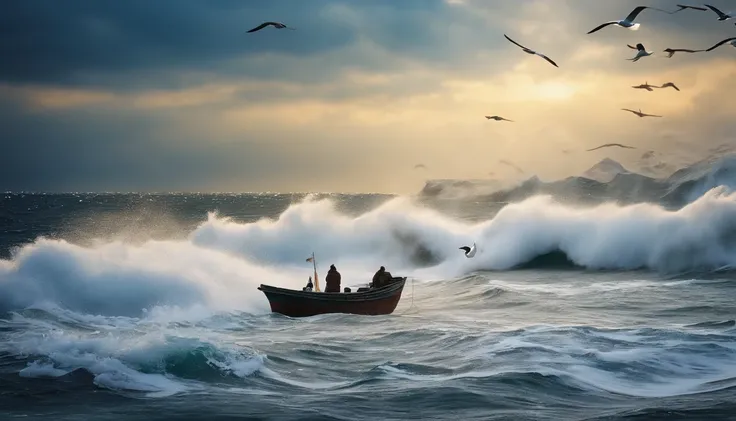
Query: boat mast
column 316, row 281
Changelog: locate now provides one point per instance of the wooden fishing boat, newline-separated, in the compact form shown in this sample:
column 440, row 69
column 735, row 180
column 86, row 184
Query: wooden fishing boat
column 295, row 303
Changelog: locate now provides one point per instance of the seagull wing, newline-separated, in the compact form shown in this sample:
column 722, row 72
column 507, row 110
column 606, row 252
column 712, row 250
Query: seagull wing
column 598, row 28
column 519, row 45
column 261, row 26
column 703, row 9
column 631, row 111
column 634, row 13
column 640, row 47
column 631, row 46
column 608, row 145
column 472, row 251
column 718, row 12
column 720, row 43
column 649, row 115
column 548, row 59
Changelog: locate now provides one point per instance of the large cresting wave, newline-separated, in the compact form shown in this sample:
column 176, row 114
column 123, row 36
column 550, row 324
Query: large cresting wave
column 222, row 262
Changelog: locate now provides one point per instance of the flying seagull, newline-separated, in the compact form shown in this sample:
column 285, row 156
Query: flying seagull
column 668, row 85
column 671, row 51
column 646, row 86
column 512, row 165
column 469, row 251
column 732, row 39
column 608, row 145
column 639, row 113
column 277, row 25
column 642, row 52
column 684, row 6
column 420, row 166
column 721, row 15
column 497, row 118
column 627, row 22
column 528, row 51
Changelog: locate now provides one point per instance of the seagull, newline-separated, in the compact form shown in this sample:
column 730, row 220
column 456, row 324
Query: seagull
column 683, row 7
column 277, row 25
column 668, row 85
column 608, row 145
column 671, row 51
column 639, row 113
column 627, row 22
column 732, row 39
column 721, row 15
column 528, row 51
column 512, row 165
column 469, row 251
column 646, row 86
column 642, row 52
column 420, row 166
column 497, row 118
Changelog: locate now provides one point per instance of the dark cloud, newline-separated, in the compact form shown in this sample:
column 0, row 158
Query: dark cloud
column 141, row 43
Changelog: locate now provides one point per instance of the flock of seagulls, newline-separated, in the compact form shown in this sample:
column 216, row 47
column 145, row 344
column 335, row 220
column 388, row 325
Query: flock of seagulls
column 628, row 23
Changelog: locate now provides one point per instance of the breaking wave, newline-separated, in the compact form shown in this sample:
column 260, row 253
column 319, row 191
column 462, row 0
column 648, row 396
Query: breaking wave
column 222, row 262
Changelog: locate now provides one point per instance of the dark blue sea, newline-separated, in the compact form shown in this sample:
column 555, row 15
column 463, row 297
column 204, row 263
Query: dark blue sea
column 587, row 300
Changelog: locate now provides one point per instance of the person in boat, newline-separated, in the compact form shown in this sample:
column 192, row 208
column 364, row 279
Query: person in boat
column 332, row 280
column 381, row 278
column 309, row 286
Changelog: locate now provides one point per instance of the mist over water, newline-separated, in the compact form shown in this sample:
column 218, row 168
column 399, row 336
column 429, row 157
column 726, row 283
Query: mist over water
column 576, row 306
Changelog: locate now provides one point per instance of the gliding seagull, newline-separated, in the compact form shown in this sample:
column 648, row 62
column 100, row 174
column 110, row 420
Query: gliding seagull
column 528, row 51
column 639, row 113
column 627, row 22
column 732, row 39
column 277, row 25
column 721, row 15
column 642, row 52
column 469, row 251
column 608, row 145
column 497, row 118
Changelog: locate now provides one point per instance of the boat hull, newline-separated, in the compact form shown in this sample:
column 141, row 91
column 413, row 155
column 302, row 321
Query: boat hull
column 373, row 302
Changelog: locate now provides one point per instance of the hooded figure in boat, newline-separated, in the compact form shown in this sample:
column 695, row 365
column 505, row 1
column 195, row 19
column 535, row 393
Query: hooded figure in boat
column 381, row 278
column 332, row 280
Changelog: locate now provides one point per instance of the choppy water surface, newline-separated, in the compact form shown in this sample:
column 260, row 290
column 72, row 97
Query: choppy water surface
column 146, row 307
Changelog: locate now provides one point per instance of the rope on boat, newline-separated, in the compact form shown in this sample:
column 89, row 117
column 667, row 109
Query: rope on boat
column 412, row 298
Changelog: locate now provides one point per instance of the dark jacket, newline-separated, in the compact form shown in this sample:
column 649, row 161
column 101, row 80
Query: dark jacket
column 378, row 279
column 332, row 280
column 381, row 278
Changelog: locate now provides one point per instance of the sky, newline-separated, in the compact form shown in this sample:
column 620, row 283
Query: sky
column 174, row 95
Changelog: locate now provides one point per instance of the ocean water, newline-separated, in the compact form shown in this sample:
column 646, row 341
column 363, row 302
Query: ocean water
column 145, row 307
